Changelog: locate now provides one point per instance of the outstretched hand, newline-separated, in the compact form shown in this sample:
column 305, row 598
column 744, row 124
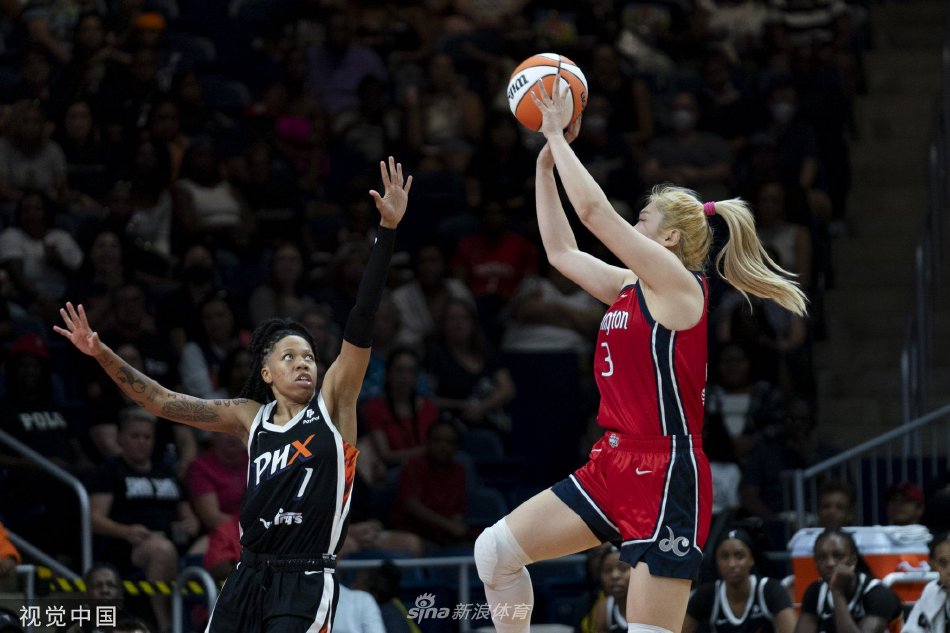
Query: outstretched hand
column 555, row 113
column 77, row 329
column 392, row 204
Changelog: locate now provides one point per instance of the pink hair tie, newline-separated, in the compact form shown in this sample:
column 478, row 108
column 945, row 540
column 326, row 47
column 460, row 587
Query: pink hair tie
column 709, row 208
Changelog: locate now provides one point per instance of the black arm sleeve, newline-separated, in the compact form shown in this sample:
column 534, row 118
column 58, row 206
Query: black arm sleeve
column 359, row 324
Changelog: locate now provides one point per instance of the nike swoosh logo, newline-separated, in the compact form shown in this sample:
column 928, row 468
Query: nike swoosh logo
column 643, row 472
column 596, row 450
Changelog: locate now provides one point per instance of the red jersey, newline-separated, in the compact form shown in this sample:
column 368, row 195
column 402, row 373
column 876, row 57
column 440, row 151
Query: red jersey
column 651, row 379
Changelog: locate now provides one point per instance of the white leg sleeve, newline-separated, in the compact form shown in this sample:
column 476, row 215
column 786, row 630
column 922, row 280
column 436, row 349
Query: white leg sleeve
column 646, row 628
column 501, row 566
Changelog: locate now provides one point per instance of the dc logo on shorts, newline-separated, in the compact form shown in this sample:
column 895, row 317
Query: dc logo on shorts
column 613, row 440
column 679, row 545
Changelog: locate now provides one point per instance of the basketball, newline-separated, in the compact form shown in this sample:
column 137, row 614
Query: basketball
column 544, row 67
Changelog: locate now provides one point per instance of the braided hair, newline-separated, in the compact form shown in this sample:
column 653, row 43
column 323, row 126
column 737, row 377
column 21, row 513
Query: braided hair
column 265, row 337
column 845, row 535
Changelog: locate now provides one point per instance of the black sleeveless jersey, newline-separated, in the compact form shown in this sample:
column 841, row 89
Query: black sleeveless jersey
column 871, row 598
column 710, row 606
column 299, row 480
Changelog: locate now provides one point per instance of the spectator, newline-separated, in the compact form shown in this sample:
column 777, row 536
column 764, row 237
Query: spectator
column 104, row 590
column 103, row 271
column 608, row 157
column 134, row 323
column 726, row 474
column 432, row 499
column 905, row 504
column 384, row 342
column 383, row 584
column 848, row 597
column 725, row 106
column 139, row 510
column 937, row 506
column 175, row 445
column 88, row 168
column 202, row 357
column 326, row 337
column 271, row 193
column 164, row 125
column 445, row 118
column 493, row 262
column 469, row 382
column 835, row 504
column 127, row 94
column 793, row 446
column 34, row 414
column 745, row 407
column 207, row 206
column 29, row 159
column 930, row 613
column 357, row 612
column 699, row 160
column 93, row 52
column 791, row 241
column 224, row 548
column 37, row 256
column 9, row 559
column 793, row 142
column 282, row 295
column 763, row 603
column 609, row 612
column 501, row 168
column 422, row 301
column 216, row 480
column 776, row 338
column 149, row 226
column 194, row 115
column 51, row 24
column 339, row 64
column 178, row 312
column 399, row 421
column 551, row 313
column 632, row 110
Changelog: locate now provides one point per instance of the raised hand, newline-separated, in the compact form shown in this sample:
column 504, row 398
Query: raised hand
column 554, row 108
column 77, row 329
column 392, row 205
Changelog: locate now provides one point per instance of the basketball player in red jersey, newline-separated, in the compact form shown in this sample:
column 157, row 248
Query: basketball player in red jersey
column 647, row 484
column 301, row 446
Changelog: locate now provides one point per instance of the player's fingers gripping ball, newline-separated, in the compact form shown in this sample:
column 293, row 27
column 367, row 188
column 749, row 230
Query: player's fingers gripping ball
column 544, row 67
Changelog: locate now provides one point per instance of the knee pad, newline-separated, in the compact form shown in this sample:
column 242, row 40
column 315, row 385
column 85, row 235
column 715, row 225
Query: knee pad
column 498, row 557
column 646, row 628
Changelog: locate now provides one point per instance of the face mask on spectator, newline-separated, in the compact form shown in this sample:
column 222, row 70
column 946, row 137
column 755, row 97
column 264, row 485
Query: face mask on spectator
column 595, row 123
column 683, row 120
column 783, row 111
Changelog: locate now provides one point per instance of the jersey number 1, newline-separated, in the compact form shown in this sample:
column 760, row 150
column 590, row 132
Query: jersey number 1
column 610, row 362
column 306, row 480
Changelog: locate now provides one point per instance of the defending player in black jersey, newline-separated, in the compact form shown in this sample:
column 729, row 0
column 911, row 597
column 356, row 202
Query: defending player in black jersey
column 301, row 445
column 740, row 602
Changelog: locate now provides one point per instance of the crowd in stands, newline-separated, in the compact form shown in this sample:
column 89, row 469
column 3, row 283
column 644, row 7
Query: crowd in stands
column 186, row 170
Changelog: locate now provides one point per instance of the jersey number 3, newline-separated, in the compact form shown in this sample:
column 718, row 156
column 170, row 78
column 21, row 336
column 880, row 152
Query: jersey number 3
column 609, row 361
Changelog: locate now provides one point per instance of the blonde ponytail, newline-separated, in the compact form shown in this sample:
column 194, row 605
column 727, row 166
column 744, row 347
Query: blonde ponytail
column 743, row 262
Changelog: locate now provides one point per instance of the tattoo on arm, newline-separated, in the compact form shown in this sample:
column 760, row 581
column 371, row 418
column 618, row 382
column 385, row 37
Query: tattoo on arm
column 188, row 409
column 130, row 377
